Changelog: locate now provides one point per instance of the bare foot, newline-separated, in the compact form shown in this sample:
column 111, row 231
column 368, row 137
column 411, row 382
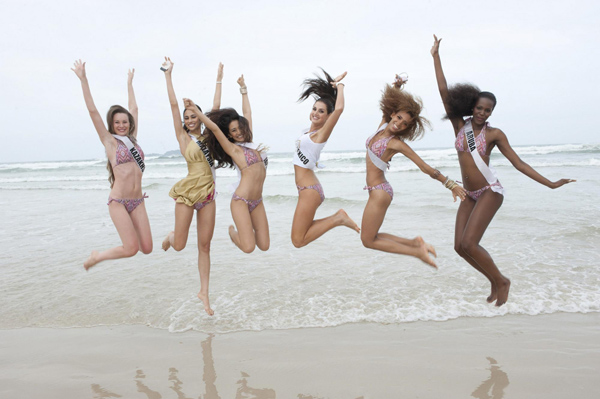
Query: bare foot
column 493, row 295
column 419, row 241
column 503, row 289
column 92, row 260
column 166, row 244
column 204, row 299
column 423, row 254
column 347, row 221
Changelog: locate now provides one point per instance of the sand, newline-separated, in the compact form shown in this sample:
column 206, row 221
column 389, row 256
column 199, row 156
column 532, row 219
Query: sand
column 548, row 356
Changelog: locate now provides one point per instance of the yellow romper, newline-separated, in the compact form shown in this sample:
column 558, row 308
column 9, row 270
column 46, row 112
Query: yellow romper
column 199, row 184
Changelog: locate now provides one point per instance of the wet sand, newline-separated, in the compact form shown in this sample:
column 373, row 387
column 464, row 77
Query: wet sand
column 548, row 356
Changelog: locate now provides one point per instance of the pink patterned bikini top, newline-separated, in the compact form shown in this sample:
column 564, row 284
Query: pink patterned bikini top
column 379, row 146
column 459, row 144
column 124, row 155
column 251, row 157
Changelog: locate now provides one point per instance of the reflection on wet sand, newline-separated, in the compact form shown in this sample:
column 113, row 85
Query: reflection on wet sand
column 100, row 392
column 209, row 376
column 497, row 381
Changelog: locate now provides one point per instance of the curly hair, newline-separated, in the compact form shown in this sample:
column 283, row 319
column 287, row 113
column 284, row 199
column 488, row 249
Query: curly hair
column 110, row 116
column 321, row 90
column 462, row 98
column 395, row 100
column 222, row 118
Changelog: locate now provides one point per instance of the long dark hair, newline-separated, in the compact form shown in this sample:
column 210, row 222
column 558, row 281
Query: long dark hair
column 110, row 116
column 222, row 118
column 321, row 90
column 462, row 98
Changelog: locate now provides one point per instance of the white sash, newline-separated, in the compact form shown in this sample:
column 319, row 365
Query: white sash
column 206, row 153
column 383, row 166
column 486, row 171
column 303, row 160
column 134, row 152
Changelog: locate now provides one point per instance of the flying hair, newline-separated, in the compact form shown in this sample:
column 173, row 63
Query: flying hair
column 395, row 100
column 321, row 90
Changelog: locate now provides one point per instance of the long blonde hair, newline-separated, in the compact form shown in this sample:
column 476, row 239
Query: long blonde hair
column 117, row 109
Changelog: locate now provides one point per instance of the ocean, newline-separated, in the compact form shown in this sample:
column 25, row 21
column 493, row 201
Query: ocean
column 54, row 213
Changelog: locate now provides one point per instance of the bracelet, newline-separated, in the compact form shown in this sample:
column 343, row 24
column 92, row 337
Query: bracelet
column 435, row 174
column 450, row 184
column 244, row 90
column 339, row 83
column 219, row 82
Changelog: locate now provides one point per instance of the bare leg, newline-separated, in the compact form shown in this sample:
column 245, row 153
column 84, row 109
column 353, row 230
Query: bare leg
column 243, row 237
column 127, row 233
column 373, row 216
column 462, row 217
column 261, row 227
column 139, row 217
column 481, row 216
column 206, row 226
column 183, row 219
column 305, row 229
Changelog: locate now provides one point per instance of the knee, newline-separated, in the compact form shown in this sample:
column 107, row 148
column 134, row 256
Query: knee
column 247, row 249
column 264, row 247
column 130, row 250
column 178, row 246
column 146, row 249
column 367, row 241
column 468, row 246
column 204, row 247
column 458, row 249
column 298, row 243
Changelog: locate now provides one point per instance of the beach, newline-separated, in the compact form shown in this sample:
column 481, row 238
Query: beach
column 549, row 356
column 331, row 320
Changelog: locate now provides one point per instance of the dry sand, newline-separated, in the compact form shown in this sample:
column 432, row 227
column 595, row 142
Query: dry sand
column 549, row 356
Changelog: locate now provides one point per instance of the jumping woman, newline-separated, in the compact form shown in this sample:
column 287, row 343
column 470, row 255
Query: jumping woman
column 125, row 167
column 401, row 122
column 326, row 111
column 475, row 140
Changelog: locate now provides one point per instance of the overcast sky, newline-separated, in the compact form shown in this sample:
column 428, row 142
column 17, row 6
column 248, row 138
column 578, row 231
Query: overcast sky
column 540, row 58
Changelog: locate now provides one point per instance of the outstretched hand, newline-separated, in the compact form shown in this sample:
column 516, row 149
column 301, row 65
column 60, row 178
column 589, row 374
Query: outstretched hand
column 338, row 79
column 459, row 192
column 436, row 46
column 130, row 74
column 220, row 73
column 241, row 81
column 561, row 183
column 167, row 66
column 79, row 69
column 400, row 80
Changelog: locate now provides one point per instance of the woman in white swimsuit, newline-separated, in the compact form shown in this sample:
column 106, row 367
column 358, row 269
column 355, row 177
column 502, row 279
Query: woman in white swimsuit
column 329, row 105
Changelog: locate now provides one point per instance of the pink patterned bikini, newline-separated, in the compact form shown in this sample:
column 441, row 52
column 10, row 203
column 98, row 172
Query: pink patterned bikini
column 375, row 152
column 481, row 145
column 252, row 157
column 123, row 155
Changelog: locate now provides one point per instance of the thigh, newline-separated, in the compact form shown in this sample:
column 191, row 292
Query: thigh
column 261, row 226
column 205, row 221
column 183, row 220
column 123, row 223
column 374, row 213
column 483, row 212
column 140, row 220
column 308, row 202
column 462, row 217
column 243, row 222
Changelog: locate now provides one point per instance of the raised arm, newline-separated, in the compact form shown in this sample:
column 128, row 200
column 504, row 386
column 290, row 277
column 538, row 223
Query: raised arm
column 79, row 69
column 132, row 104
column 167, row 67
column 457, row 123
column 246, row 111
column 323, row 134
column 227, row 145
column 503, row 145
column 403, row 148
column 219, row 85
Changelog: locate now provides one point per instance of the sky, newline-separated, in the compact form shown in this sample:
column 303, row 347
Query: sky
column 540, row 59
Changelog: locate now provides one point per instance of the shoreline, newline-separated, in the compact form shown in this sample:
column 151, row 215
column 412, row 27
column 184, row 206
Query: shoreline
column 551, row 356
